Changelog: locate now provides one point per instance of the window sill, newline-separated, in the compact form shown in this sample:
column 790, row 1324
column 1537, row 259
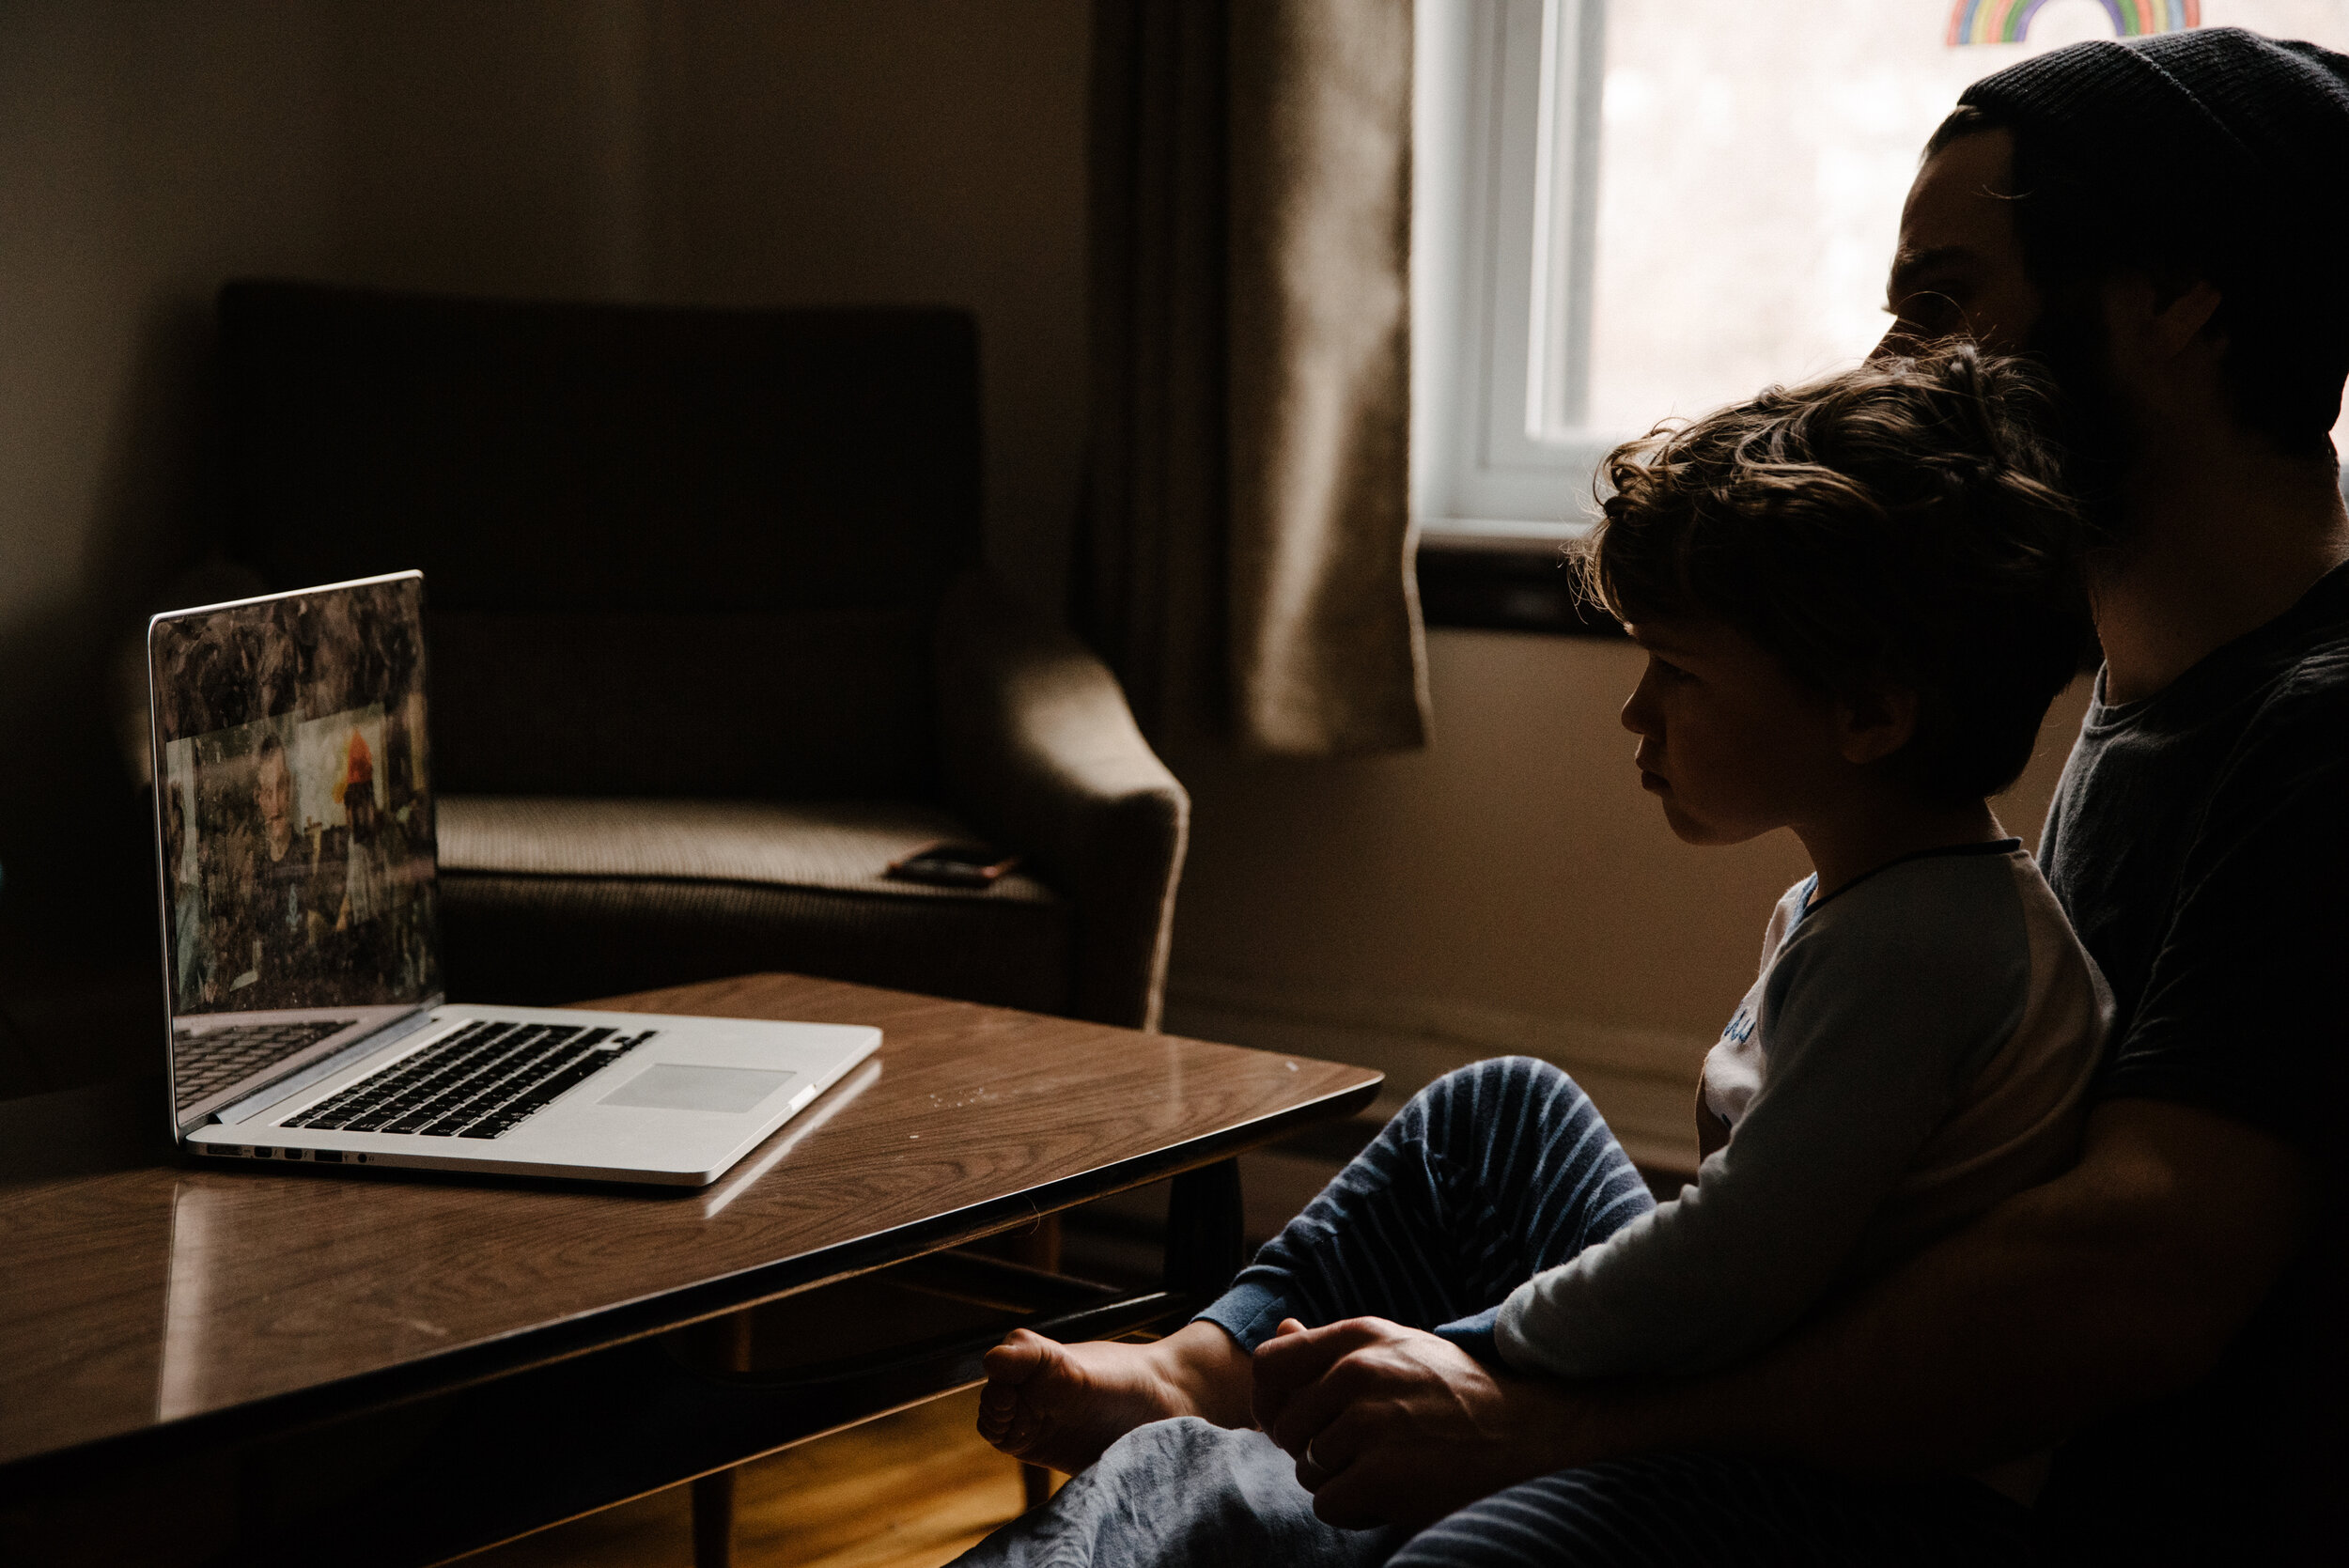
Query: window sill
column 1500, row 583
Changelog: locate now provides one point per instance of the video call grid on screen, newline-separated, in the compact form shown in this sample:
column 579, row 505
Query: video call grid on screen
column 296, row 806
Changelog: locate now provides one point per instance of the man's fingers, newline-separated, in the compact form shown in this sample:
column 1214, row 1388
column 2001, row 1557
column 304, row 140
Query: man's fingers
column 1292, row 1359
column 1293, row 1356
column 1354, row 1432
column 1270, row 1400
column 1350, row 1502
column 1311, row 1409
column 1379, row 1490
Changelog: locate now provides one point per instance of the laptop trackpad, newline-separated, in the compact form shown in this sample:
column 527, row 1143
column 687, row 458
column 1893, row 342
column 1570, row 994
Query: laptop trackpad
column 672, row 1087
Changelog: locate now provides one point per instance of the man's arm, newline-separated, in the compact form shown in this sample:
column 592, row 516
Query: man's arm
column 2117, row 1282
column 2113, row 1284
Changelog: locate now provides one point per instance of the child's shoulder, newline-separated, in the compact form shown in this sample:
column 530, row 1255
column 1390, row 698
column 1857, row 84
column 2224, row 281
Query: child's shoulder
column 1953, row 949
column 1934, row 884
column 1946, row 913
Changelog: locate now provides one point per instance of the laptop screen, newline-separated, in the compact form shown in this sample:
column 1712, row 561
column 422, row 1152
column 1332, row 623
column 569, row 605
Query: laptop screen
column 294, row 821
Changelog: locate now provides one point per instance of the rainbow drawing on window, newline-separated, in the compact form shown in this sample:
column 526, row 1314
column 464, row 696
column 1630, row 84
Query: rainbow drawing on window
column 2009, row 20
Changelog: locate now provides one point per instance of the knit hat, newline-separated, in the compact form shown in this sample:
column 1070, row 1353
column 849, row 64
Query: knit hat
column 2273, row 111
column 2216, row 147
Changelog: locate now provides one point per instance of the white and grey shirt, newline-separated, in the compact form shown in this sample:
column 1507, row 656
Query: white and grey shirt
column 1917, row 1047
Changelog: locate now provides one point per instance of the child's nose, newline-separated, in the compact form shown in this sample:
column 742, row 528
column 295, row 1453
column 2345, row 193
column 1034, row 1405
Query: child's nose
column 1637, row 716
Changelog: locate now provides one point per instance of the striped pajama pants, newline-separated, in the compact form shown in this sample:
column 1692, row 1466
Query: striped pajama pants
column 1489, row 1175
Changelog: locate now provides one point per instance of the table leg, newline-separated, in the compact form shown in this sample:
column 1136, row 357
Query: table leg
column 1205, row 1243
column 713, row 1520
column 713, row 1493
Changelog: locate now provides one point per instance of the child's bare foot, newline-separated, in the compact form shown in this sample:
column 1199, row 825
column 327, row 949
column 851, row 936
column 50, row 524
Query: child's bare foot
column 1061, row 1404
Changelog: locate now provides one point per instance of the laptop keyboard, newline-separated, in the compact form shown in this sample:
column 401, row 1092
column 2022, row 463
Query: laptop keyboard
column 480, row 1082
column 205, row 1061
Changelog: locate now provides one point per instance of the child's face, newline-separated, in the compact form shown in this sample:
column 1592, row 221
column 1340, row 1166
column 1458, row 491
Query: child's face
column 1730, row 742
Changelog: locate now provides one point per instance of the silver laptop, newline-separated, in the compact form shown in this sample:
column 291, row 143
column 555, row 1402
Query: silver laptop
column 293, row 821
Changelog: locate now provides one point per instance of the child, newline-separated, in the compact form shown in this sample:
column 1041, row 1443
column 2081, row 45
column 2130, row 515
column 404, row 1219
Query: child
column 1857, row 601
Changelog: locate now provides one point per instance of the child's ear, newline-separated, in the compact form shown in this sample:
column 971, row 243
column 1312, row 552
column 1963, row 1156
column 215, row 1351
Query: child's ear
column 1874, row 722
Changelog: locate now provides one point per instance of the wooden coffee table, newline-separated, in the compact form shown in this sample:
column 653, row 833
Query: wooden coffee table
column 289, row 1363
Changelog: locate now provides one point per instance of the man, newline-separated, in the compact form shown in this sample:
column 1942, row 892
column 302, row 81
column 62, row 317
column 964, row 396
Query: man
column 268, row 955
column 2165, row 224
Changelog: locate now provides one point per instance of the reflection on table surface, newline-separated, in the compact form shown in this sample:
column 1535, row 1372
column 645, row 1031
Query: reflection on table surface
column 143, row 1288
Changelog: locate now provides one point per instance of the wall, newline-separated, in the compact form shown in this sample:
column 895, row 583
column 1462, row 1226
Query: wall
column 490, row 148
column 150, row 149
column 759, row 152
column 922, row 152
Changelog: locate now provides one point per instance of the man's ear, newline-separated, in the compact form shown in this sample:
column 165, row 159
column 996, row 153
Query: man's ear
column 1873, row 722
column 2155, row 318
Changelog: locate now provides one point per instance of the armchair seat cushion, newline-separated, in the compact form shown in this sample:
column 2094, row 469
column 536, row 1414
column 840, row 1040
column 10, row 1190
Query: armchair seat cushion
column 540, row 893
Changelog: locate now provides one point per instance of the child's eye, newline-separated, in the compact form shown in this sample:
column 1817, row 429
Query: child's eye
column 1666, row 670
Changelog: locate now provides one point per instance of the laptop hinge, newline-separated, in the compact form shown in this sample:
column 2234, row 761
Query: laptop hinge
column 270, row 1095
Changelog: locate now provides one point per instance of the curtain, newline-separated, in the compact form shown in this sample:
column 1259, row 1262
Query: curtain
column 1244, row 557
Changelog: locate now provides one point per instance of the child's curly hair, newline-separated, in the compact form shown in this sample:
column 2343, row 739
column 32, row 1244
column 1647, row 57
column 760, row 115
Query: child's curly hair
column 1905, row 522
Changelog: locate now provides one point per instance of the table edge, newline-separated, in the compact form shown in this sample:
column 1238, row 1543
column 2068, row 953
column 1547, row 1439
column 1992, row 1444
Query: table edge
column 605, row 1328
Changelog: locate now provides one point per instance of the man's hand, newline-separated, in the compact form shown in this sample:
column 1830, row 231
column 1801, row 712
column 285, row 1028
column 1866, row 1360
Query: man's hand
column 1393, row 1426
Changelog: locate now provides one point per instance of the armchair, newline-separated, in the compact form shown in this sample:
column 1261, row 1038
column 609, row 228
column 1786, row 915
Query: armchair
column 711, row 642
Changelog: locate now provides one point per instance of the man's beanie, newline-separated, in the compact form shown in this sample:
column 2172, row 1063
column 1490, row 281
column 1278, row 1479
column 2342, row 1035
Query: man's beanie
column 2212, row 146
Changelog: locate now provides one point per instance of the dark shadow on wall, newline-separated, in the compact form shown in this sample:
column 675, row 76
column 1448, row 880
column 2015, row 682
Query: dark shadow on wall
column 80, row 988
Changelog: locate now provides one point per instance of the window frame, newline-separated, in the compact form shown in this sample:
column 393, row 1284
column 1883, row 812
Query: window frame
column 1506, row 90
column 1509, row 93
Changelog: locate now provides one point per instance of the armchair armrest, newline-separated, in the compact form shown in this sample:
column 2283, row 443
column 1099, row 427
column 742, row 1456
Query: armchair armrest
column 1041, row 751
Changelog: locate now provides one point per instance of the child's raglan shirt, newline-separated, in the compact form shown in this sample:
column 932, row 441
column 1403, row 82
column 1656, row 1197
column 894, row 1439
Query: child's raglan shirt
column 1917, row 1047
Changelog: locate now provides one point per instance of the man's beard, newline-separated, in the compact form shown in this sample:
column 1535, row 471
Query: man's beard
column 2093, row 428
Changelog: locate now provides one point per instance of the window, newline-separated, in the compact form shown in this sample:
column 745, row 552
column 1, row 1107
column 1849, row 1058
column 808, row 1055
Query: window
column 1633, row 209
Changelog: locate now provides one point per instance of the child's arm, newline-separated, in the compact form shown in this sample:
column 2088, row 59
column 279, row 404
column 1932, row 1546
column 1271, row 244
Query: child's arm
column 1873, row 1031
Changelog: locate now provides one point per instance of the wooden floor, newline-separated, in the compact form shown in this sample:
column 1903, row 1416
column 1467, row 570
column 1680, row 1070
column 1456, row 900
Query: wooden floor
column 911, row 1490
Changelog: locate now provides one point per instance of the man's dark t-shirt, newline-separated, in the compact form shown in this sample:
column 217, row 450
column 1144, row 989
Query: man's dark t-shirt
column 2197, row 842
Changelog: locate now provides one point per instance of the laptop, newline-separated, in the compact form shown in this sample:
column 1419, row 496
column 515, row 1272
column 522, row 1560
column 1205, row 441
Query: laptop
column 295, row 863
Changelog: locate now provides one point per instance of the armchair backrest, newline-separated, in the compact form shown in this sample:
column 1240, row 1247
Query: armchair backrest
column 666, row 550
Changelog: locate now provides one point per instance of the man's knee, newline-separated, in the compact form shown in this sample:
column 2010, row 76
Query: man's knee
column 1547, row 1520
column 1721, row 1513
